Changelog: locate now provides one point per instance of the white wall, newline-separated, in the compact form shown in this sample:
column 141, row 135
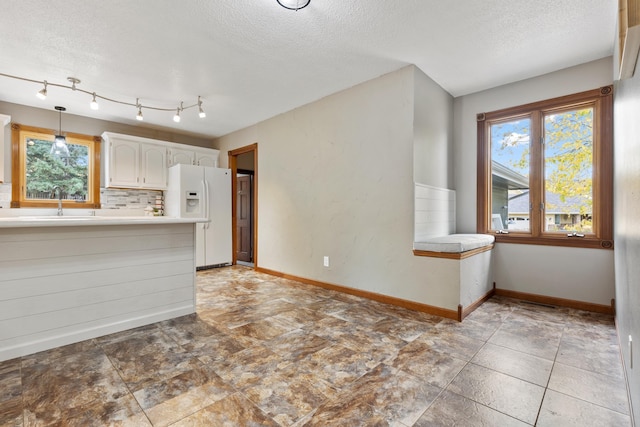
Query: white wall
column 595, row 283
column 432, row 132
column 627, row 225
column 335, row 178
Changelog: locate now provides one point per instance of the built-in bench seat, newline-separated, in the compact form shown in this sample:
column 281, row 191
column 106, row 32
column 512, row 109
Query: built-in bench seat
column 463, row 261
column 455, row 246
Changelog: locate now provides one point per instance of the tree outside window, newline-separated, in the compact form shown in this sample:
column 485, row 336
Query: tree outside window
column 39, row 170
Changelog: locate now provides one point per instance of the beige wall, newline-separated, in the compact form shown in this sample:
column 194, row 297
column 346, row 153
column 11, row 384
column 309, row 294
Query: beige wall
column 573, row 273
column 335, row 178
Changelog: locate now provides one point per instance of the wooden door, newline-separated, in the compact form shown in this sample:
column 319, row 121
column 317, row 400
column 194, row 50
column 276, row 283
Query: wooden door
column 244, row 251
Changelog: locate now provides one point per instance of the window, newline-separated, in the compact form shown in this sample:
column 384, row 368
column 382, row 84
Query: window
column 36, row 172
column 545, row 171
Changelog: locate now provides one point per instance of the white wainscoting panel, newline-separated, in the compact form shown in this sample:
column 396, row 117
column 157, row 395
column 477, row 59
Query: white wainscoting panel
column 434, row 212
column 60, row 285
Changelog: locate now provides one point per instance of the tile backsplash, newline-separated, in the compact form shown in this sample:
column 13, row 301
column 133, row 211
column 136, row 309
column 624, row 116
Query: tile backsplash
column 110, row 198
column 116, row 198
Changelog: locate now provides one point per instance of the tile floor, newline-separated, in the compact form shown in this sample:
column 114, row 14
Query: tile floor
column 264, row 351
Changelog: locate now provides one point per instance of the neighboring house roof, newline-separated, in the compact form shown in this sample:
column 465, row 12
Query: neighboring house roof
column 512, row 179
column 519, row 204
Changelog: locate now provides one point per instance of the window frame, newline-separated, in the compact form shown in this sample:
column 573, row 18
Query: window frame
column 602, row 213
column 18, row 170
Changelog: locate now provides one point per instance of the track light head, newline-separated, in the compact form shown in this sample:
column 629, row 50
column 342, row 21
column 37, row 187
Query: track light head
column 42, row 94
column 201, row 112
column 94, row 103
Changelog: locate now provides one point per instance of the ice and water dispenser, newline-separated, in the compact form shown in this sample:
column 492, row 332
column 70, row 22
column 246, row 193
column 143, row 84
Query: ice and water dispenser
column 192, row 205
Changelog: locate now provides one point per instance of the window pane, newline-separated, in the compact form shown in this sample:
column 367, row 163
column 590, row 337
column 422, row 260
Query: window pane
column 44, row 171
column 510, row 158
column 568, row 171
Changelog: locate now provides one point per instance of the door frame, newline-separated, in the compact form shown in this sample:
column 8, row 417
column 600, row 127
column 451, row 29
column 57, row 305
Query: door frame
column 233, row 165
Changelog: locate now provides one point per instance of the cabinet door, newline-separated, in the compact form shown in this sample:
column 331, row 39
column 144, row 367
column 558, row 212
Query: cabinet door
column 124, row 164
column 183, row 157
column 154, row 166
column 207, row 159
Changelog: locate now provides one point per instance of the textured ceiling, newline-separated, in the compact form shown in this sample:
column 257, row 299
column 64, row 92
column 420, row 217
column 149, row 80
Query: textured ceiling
column 252, row 59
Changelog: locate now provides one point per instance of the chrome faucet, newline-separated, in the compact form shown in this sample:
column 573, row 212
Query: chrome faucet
column 53, row 192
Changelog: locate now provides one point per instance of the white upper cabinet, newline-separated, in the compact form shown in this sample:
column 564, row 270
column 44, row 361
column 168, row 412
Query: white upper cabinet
column 207, row 157
column 135, row 162
column 181, row 156
column 122, row 163
column 154, row 166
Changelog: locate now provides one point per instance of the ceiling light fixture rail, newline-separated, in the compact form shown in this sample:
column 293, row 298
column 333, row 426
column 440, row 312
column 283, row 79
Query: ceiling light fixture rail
column 42, row 94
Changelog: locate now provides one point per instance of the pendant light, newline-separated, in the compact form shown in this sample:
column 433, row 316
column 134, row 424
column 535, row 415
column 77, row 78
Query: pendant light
column 59, row 147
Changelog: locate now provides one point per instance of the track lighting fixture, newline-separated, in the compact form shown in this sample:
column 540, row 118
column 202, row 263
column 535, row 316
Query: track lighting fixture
column 42, row 94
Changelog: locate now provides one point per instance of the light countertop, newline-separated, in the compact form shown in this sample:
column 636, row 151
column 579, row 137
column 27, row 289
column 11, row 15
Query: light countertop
column 90, row 220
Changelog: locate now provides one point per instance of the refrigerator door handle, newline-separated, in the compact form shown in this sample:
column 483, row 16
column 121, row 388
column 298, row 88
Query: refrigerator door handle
column 205, row 184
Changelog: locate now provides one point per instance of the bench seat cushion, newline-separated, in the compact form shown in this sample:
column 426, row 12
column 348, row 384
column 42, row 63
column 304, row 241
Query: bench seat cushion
column 454, row 243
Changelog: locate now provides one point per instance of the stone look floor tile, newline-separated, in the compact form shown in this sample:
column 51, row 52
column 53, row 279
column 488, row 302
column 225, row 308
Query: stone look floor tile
column 11, row 408
column 404, row 329
column 399, row 397
column 511, row 396
column 561, row 410
column 68, row 386
column 248, row 367
column 451, row 409
column 602, row 390
column 338, row 365
column 285, row 400
column 533, row 338
column 591, row 353
column 268, row 351
column 431, row 366
column 524, row 366
column 232, row 411
column 344, row 412
column 450, row 342
column 296, row 345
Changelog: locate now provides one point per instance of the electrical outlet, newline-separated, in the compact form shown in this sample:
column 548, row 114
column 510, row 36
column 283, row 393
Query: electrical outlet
column 326, row 261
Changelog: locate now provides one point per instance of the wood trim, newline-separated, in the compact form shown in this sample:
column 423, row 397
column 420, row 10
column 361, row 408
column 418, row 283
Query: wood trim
column 452, row 255
column 555, row 241
column 16, row 167
column 561, row 302
column 399, row 302
column 233, row 165
column 602, row 100
column 245, row 149
column 464, row 312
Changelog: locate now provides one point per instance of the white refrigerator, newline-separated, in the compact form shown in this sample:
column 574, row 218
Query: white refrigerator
column 203, row 192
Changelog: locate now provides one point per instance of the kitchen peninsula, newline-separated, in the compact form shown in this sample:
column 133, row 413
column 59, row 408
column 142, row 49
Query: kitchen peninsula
column 70, row 278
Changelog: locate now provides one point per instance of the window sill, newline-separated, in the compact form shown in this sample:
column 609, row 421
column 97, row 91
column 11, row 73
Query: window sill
column 571, row 242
